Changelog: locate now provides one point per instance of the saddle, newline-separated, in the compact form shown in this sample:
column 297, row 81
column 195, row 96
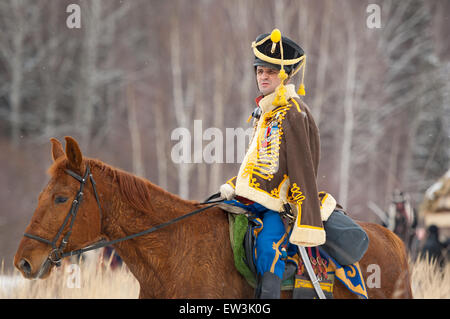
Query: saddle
column 294, row 278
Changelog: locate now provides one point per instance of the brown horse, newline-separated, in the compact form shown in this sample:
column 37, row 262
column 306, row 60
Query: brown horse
column 188, row 259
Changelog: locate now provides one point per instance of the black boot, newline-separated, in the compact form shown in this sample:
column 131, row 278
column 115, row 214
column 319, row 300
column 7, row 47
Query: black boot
column 270, row 286
column 258, row 287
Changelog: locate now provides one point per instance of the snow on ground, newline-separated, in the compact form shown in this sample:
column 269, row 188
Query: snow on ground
column 8, row 283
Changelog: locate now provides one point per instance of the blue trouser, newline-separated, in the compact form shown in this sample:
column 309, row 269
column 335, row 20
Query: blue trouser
column 272, row 248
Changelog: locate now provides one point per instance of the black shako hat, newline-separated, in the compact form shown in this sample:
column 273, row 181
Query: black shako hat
column 281, row 53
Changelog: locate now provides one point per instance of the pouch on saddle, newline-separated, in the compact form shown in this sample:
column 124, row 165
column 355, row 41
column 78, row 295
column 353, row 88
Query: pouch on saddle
column 346, row 241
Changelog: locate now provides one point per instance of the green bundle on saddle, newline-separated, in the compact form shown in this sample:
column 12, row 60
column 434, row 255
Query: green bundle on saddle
column 238, row 228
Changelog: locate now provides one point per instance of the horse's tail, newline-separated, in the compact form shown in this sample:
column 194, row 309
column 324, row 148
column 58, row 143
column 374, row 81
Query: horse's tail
column 403, row 286
column 388, row 249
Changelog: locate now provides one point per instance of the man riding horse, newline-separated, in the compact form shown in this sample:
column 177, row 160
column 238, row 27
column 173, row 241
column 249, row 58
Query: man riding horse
column 279, row 170
column 402, row 219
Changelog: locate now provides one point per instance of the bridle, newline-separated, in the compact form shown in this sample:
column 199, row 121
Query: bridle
column 56, row 254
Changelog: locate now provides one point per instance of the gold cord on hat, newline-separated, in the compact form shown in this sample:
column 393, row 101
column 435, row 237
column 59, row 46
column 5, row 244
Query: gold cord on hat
column 302, row 65
column 280, row 96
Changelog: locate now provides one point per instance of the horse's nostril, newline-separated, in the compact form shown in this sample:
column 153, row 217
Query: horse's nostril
column 25, row 266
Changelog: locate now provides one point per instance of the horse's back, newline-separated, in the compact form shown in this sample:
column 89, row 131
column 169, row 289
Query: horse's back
column 385, row 264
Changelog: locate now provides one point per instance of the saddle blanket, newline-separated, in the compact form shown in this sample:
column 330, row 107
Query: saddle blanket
column 350, row 275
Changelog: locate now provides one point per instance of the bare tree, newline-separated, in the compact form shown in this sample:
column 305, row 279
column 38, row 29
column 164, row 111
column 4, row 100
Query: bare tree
column 323, row 60
column 349, row 97
column 182, row 112
column 16, row 27
column 199, row 78
column 161, row 152
column 138, row 166
column 412, row 84
column 98, row 22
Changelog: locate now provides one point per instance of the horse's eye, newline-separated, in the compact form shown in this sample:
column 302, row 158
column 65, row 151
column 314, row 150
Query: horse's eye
column 59, row 200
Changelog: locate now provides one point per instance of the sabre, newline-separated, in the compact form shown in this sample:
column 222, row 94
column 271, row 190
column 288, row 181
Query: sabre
column 311, row 273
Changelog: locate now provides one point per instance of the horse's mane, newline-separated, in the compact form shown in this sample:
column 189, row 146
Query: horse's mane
column 140, row 193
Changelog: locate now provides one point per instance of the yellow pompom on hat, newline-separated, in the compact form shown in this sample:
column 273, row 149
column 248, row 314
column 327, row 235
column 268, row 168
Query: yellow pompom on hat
column 279, row 52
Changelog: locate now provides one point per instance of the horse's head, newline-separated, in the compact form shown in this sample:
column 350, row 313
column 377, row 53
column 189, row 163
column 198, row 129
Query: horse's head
column 57, row 205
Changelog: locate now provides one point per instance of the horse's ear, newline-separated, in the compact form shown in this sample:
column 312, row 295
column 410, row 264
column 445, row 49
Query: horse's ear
column 73, row 153
column 57, row 149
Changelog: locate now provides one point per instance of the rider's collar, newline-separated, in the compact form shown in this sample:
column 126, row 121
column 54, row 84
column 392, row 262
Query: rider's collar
column 265, row 102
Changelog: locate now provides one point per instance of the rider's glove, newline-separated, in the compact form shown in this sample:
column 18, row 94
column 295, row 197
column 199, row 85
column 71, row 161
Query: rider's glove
column 226, row 191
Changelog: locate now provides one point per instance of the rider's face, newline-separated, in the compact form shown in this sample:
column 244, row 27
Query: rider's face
column 267, row 79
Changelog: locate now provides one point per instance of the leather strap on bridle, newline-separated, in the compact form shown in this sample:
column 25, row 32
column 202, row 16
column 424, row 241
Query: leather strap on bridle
column 57, row 254
column 83, row 180
column 145, row 232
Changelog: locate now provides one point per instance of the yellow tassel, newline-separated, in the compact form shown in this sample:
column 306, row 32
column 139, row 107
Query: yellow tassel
column 280, row 98
column 282, row 75
column 301, row 90
column 249, row 118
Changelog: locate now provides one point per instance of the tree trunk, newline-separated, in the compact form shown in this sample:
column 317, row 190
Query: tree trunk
column 138, row 167
column 180, row 109
column 86, row 95
column 346, row 153
column 15, row 92
column 322, row 65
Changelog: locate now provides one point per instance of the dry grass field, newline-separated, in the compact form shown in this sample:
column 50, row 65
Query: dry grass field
column 70, row 281
column 91, row 281
column 429, row 281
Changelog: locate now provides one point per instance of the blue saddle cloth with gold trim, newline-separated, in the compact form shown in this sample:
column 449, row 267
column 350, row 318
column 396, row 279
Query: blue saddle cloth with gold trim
column 350, row 275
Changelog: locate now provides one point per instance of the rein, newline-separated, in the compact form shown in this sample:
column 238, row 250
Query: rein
column 57, row 254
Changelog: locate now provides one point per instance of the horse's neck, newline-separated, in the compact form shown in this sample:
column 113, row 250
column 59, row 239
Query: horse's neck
column 151, row 251
column 152, row 204
column 183, row 260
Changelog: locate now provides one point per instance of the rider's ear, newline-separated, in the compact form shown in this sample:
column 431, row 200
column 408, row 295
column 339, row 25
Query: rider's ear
column 57, row 149
column 73, row 153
